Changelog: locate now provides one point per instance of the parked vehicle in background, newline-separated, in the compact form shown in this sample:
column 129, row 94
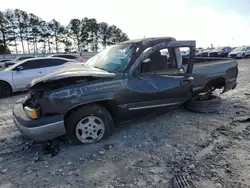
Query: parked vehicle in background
column 197, row 52
column 16, row 60
column 220, row 52
column 183, row 52
column 18, row 76
column 121, row 83
column 205, row 53
column 3, row 61
column 240, row 52
column 69, row 56
column 187, row 52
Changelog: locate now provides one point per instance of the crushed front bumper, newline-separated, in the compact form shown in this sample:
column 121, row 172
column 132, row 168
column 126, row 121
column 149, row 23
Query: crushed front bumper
column 41, row 129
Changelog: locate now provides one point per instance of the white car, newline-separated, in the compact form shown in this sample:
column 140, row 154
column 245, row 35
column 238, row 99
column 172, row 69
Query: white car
column 240, row 52
column 16, row 60
column 3, row 62
column 18, row 76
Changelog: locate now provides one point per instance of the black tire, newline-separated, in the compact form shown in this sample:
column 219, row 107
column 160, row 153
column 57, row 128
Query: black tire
column 243, row 56
column 88, row 110
column 213, row 104
column 5, row 89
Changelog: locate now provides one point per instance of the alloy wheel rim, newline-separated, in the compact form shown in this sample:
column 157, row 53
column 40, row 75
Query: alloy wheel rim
column 90, row 129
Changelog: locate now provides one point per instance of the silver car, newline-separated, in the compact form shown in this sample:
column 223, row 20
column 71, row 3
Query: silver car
column 240, row 52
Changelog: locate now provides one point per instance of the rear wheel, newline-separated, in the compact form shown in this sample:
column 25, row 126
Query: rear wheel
column 89, row 124
column 5, row 89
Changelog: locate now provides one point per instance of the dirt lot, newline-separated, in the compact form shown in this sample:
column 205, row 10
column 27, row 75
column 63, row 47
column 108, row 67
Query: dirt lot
column 213, row 149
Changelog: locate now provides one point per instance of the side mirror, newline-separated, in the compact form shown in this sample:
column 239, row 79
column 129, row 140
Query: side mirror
column 19, row 68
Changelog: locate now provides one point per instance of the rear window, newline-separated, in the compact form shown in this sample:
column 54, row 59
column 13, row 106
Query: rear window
column 5, row 60
column 66, row 56
column 23, row 58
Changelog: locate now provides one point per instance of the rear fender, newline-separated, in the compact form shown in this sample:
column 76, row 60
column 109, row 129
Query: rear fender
column 215, row 81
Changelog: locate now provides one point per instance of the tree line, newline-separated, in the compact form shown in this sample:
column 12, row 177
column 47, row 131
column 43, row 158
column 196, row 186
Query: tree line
column 35, row 35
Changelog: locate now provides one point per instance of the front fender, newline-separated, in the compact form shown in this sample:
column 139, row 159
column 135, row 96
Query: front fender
column 68, row 98
column 6, row 76
column 91, row 99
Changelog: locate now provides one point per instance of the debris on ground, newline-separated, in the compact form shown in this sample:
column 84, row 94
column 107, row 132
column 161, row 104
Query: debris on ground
column 4, row 170
column 51, row 149
column 36, row 158
column 243, row 119
column 180, row 181
column 218, row 185
column 108, row 146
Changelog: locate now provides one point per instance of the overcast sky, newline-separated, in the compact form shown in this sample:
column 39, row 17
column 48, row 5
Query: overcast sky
column 218, row 22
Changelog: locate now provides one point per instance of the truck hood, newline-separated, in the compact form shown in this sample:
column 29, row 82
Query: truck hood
column 72, row 71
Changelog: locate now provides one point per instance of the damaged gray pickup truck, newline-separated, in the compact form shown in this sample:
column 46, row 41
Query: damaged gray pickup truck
column 123, row 82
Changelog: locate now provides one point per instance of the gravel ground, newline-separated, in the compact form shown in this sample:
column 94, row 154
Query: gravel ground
column 212, row 149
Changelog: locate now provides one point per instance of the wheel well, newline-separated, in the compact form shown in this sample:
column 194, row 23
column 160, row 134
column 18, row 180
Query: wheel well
column 109, row 105
column 216, row 83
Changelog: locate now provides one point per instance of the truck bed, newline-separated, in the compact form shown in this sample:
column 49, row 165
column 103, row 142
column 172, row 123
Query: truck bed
column 206, row 70
column 204, row 59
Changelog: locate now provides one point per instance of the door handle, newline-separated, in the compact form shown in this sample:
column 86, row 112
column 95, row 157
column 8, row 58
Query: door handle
column 187, row 81
column 40, row 72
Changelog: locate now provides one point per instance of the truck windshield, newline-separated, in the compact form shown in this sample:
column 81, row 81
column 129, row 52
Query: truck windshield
column 113, row 59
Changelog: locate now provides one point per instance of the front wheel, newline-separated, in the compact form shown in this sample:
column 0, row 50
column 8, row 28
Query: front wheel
column 243, row 56
column 89, row 124
column 5, row 89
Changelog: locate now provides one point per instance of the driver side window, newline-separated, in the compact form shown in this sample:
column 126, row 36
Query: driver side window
column 159, row 60
column 30, row 64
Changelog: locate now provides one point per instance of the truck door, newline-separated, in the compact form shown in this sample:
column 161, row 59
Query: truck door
column 157, row 83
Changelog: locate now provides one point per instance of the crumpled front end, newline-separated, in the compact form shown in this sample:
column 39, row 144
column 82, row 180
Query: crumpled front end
column 39, row 128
